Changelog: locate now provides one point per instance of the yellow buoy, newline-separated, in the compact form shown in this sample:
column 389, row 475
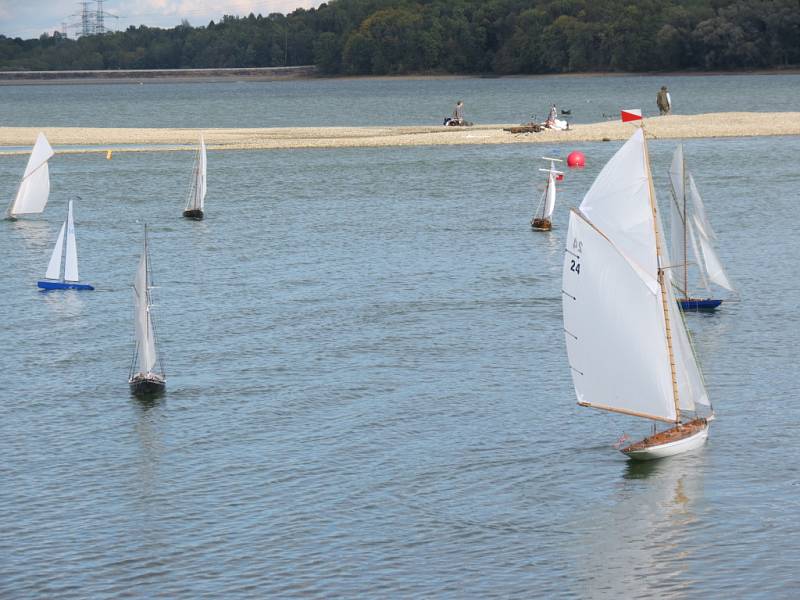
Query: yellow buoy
column 108, row 155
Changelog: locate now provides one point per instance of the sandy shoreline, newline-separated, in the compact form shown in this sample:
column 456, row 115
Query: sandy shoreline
column 79, row 139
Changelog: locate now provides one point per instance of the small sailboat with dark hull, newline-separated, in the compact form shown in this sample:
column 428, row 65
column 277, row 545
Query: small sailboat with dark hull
column 542, row 219
column 147, row 372
column 195, row 203
column 691, row 240
column 628, row 347
column 62, row 270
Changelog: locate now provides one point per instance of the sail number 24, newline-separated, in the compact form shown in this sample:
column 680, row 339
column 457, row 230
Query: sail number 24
column 577, row 247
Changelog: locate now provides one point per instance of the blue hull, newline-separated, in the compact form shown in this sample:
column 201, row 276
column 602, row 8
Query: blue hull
column 699, row 304
column 63, row 285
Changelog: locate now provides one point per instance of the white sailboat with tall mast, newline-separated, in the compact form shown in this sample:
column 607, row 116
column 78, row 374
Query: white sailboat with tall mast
column 195, row 202
column 691, row 239
column 542, row 219
column 147, row 372
column 627, row 344
column 34, row 188
column 62, row 270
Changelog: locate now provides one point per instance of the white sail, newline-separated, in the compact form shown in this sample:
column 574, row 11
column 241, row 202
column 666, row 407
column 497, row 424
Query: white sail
column 618, row 204
column 54, row 266
column 677, row 213
column 71, row 262
column 614, row 327
column 691, row 389
column 618, row 342
column 699, row 210
column 698, row 257
column 550, row 196
column 713, row 265
column 34, row 188
column 145, row 340
column 197, row 192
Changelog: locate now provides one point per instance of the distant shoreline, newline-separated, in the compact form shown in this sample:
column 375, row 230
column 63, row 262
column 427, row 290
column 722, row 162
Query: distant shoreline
column 308, row 72
column 18, row 140
column 156, row 75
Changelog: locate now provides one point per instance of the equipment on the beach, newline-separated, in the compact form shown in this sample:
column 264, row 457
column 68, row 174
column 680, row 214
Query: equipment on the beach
column 627, row 344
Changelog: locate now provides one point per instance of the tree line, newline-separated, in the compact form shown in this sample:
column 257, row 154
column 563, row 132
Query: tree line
column 501, row 37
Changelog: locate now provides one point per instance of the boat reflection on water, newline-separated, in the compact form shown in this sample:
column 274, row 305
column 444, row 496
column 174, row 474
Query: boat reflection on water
column 636, row 546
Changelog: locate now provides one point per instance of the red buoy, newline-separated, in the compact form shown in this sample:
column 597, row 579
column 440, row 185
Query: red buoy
column 576, row 159
column 560, row 177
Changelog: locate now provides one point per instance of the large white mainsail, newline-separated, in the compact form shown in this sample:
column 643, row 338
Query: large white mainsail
column 145, row 339
column 621, row 325
column 197, row 191
column 34, row 188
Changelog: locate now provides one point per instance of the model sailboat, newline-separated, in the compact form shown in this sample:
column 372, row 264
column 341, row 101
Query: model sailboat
column 690, row 229
column 197, row 189
column 544, row 212
column 626, row 341
column 62, row 270
column 144, row 378
column 34, row 188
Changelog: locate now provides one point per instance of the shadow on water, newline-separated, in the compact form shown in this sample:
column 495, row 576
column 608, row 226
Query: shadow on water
column 642, row 469
column 149, row 401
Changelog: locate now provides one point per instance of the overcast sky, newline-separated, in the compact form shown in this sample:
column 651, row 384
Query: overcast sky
column 29, row 18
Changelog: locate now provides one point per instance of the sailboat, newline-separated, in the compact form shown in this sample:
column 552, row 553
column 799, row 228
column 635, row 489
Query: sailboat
column 144, row 378
column 64, row 277
column 689, row 225
column 34, row 188
column 197, row 188
column 627, row 344
column 544, row 212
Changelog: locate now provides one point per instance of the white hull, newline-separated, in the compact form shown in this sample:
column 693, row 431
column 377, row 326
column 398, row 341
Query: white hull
column 686, row 444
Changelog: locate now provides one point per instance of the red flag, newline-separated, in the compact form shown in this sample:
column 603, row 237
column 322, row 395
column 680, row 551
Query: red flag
column 630, row 114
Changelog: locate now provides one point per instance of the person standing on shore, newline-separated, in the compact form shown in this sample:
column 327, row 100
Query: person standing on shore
column 458, row 113
column 663, row 101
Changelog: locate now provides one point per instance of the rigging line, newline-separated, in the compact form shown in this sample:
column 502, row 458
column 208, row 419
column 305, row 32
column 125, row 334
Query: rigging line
column 576, row 370
column 568, row 251
column 570, row 334
column 568, row 294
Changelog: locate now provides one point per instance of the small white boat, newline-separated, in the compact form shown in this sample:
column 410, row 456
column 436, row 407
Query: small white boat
column 542, row 218
column 62, row 270
column 627, row 344
column 195, row 203
column 690, row 232
column 34, row 188
column 144, row 377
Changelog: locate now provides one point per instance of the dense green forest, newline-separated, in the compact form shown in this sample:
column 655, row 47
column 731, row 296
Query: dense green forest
column 377, row 37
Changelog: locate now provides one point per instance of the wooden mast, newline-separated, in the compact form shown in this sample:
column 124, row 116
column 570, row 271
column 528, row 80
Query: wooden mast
column 661, row 283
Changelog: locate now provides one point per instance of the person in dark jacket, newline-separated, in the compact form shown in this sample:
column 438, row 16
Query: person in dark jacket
column 664, row 101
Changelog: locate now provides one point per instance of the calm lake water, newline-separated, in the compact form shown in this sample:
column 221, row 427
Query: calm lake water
column 362, row 102
column 368, row 392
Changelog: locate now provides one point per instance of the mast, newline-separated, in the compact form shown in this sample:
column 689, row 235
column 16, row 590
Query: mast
column 685, row 226
column 664, row 300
